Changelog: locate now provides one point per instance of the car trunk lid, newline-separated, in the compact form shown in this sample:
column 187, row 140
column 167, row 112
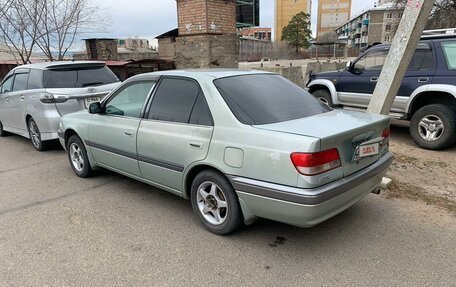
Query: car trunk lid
column 80, row 98
column 344, row 130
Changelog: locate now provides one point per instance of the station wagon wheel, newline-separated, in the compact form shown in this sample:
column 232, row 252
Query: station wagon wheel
column 434, row 127
column 323, row 96
column 215, row 203
column 77, row 155
column 35, row 135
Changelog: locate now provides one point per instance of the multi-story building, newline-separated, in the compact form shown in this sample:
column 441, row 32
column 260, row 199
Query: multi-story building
column 331, row 14
column 285, row 10
column 257, row 33
column 377, row 25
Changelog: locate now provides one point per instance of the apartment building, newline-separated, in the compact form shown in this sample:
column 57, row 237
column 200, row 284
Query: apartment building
column 332, row 14
column 377, row 25
column 285, row 10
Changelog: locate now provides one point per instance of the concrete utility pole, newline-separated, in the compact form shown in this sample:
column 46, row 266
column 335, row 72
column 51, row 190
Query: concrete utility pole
column 402, row 48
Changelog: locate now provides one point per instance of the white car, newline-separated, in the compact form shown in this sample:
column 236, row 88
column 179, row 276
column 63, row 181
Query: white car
column 34, row 97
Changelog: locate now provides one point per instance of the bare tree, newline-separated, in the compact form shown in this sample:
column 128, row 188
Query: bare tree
column 443, row 14
column 51, row 26
column 19, row 20
column 65, row 20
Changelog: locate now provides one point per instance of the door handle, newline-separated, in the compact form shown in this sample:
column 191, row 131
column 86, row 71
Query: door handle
column 423, row 80
column 22, row 98
column 129, row 133
column 195, row 144
column 374, row 79
column 6, row 100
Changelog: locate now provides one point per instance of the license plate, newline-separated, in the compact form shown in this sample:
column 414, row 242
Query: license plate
column 368, row 150
column 91, row 100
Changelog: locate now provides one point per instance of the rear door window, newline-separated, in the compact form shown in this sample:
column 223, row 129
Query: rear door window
column 449, row 49
column 267, row 98
column 20, row 82
column 35, row 80
column 79, row 77
column 200, row 113
column 174, row 100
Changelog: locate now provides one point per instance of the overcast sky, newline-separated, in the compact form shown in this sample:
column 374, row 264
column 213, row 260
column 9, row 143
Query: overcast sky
column 149, row 18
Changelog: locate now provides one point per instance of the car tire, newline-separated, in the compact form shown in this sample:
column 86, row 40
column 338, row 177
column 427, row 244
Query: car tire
column 215, row 203
column 324, row 97
column 77, row 155
column 35, row 135
column 3, row 133
column 434, row 127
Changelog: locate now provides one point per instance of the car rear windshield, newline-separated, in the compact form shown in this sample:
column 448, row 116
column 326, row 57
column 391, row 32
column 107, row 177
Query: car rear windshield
column 79, row 77
column 266, row 98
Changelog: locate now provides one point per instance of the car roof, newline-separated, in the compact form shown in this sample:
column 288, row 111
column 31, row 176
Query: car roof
column 59, row 64
column 422, row 45
column 211, row 73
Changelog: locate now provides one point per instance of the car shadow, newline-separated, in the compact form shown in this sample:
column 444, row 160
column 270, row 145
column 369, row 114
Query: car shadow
column 348, row 225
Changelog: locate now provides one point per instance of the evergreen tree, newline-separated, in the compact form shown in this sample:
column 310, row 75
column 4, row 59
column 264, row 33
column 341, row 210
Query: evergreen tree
column 297, row 33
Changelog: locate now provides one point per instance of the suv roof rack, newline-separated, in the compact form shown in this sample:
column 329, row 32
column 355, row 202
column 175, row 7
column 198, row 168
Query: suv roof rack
column 439, row 33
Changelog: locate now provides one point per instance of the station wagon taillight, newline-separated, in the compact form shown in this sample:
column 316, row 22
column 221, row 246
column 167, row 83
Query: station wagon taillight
column 316, row 163
column 53, row 98
column 386, row 133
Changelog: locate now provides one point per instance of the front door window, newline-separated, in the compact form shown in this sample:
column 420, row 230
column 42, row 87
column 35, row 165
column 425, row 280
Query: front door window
column 7, row 85
column 130, row 100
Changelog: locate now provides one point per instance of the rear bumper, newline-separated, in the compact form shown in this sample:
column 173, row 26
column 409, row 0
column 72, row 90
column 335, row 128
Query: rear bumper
column 307, row 207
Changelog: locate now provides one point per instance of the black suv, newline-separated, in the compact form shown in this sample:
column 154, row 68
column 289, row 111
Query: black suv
column 427, row 96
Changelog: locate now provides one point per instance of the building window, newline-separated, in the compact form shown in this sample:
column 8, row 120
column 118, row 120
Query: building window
column 389, row 15
column 387, row 38
column 400, row 15
column 388, row 27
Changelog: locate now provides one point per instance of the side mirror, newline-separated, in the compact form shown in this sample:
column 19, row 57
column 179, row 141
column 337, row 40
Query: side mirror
column 349, row 65
column 95, row 108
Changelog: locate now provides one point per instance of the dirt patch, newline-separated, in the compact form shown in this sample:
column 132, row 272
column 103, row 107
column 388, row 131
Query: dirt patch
column 419, row 174
column 399, row 189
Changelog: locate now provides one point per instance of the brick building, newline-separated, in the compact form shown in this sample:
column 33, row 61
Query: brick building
column 377, row 25
column 206, row 34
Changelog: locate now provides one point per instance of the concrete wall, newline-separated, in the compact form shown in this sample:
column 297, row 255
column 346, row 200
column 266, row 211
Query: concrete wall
column 167, row 48
column 207, row 51
column 300, row 74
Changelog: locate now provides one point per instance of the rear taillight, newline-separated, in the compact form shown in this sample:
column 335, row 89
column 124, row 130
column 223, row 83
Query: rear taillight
column 316, row 163
column 52, row 99
column 386, row 133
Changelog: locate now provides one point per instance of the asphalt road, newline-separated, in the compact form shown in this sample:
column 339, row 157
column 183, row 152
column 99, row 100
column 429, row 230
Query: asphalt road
column 57, row 229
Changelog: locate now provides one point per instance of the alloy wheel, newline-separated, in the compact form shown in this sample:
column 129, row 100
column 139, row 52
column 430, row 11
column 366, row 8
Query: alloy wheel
column 212, row 203
column 34, row 133
column 431, row 128
column 323, row 100
column 76, row 156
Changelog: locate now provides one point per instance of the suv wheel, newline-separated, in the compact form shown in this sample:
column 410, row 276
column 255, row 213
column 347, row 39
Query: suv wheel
column 215, row 203
column 77, row 154
column 434, row 127
column 35, row 135
column 324, row 97
column 2, row 131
